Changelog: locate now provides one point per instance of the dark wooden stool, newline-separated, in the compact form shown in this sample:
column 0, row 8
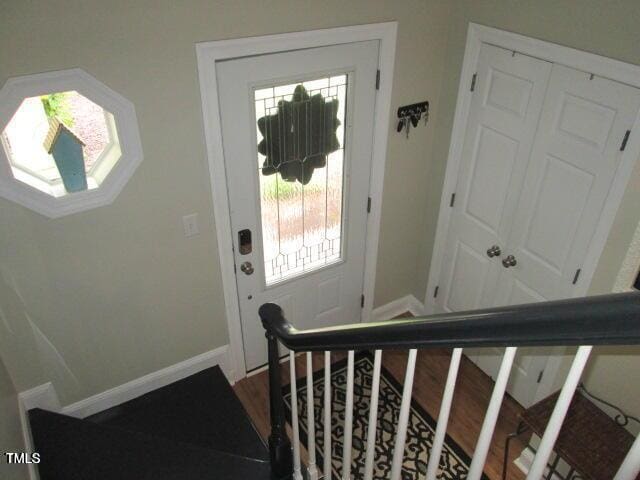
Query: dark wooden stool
column 590, row 441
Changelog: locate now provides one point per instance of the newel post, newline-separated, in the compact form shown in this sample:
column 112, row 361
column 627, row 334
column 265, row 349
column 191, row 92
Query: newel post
column 279, row 445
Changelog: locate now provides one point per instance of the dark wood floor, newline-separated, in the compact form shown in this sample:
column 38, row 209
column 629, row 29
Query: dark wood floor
column 473, row 390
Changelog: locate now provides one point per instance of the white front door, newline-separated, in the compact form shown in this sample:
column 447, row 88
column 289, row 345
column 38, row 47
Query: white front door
column 297, row 136
column 534, row 186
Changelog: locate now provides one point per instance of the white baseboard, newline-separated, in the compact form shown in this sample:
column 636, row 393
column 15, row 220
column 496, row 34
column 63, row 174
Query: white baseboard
column 408, row 303
column 148, row 383
column 28, row 440
column 43, row 396
column 525, row 460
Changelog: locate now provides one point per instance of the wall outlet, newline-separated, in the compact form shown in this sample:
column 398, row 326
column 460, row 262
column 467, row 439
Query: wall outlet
column 190, row 225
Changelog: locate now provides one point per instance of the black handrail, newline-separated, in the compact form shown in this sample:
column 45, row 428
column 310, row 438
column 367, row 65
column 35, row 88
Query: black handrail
column 612, row 319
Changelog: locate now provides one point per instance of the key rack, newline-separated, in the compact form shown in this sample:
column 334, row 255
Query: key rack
column 410, row 115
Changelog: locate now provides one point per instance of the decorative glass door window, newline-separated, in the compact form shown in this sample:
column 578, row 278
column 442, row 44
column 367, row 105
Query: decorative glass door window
column 301, row 155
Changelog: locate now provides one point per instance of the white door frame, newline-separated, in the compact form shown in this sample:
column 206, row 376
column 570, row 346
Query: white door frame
column 210, row 52
column 580, row 60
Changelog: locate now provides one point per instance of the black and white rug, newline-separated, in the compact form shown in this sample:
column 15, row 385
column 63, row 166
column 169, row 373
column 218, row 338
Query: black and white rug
column 454, row 462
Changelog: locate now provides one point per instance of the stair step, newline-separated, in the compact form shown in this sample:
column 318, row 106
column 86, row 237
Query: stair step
column 74, row 449
column 202, row 410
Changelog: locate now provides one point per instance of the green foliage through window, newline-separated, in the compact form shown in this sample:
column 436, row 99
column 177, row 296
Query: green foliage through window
column 56, row 105
column 274, row 188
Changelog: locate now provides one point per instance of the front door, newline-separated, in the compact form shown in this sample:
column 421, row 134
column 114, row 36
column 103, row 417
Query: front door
column 297, row 135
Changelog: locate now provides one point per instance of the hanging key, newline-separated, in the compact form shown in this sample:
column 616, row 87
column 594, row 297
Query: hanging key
column 415, row 118
column 400, row 125
column 407, row 125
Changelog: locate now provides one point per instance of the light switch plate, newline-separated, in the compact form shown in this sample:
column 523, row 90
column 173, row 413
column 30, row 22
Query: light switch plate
column 190, row 225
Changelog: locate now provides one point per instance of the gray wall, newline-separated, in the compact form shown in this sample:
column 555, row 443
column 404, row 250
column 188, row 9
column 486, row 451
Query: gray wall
column 10, row 432
column 607, row 28
column 105, row 296
column 112, row 294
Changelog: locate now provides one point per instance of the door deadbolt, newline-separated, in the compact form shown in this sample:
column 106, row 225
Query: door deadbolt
column 509, row 261
column 494, row 251
column 247, row 268
column 244, row 241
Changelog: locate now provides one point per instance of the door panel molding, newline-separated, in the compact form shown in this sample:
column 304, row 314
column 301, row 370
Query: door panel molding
column 600, row 66
column 208, row 53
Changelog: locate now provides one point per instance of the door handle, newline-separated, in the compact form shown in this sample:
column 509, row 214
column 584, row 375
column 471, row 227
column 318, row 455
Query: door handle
column 509, row 261
column 494, row 251
column 247, row 268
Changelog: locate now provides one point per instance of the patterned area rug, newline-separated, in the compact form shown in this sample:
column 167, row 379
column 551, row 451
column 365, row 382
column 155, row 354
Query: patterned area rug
column 454, row 462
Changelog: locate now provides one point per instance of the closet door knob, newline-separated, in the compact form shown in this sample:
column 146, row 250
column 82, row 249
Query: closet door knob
column 509, row 261
column 494, row 251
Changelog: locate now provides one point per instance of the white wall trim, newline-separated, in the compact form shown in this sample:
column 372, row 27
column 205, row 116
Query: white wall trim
column 408, row 303
column 525, row 460
column 629, row 269
column 210, row 52
column 28, row 440
column 140, row 386
column 588, row 62
column 43, row 396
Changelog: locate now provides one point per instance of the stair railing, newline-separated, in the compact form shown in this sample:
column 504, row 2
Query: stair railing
column 603, row 320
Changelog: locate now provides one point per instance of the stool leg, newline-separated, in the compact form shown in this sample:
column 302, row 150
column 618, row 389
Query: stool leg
column 520, row 429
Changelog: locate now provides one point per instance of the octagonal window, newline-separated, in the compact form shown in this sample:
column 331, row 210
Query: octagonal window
column 67, row 142
column 61, row 143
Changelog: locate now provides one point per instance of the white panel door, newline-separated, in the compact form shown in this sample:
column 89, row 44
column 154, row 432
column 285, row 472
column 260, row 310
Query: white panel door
column 509, row 92
column 297, row 136
column 575, row 156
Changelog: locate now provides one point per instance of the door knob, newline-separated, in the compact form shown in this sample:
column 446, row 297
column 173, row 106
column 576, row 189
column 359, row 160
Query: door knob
column 494, row 251
column 247, row 268
column 509, row 261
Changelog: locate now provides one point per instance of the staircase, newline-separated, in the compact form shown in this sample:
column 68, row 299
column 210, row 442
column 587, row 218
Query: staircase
column 197, row 429
column 193, row 429
column 582, row 322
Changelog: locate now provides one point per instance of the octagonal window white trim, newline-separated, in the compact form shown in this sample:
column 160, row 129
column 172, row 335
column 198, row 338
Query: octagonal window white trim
column 12, row 94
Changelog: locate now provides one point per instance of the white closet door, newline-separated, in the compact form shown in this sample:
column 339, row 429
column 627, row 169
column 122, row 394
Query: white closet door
column 575, row 156
column 508, row 96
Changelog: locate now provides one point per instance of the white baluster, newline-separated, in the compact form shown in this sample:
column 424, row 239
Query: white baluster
column 312, row 470
column 491, row 417
column 297, row 472
column 405, row 408
column 443, row 417
column 327, row 416
column 373, row 416
column 630, row 468
column 348, row 421
column 559, row 412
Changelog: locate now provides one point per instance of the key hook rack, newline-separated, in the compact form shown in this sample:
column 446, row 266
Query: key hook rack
column 410, row 115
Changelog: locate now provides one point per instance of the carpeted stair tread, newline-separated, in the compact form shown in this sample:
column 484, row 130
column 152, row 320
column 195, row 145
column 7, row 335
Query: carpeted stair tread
column 74, row 449
column 202, row 410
